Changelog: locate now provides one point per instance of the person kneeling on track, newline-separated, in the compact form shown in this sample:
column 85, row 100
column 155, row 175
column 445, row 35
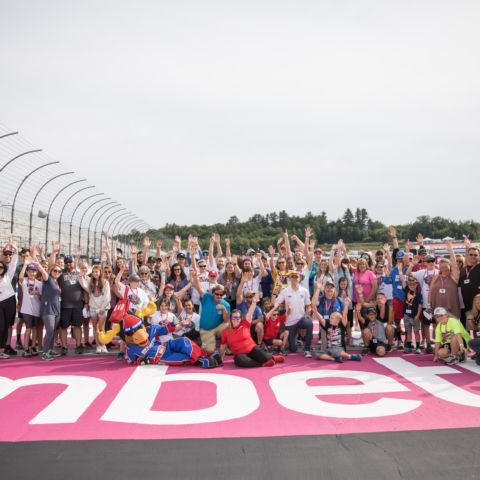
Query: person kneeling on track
column 374, row 332
column 237, row 336
column 451, row 338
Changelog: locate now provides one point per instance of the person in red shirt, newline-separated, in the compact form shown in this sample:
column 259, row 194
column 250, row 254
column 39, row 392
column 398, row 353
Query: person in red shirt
column 275, row 333
column 247, row 354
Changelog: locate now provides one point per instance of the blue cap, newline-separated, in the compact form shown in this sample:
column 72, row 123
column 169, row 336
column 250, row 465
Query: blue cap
column 400, row 254
column 96, row 261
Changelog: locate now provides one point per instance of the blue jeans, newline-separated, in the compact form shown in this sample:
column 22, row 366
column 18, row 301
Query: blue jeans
column 292, row 334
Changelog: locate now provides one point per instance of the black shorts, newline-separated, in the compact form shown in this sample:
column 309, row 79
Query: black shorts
column 426, row 321
column 374, row 345
column 71, row 317
column 269, row 341
column 30, row 320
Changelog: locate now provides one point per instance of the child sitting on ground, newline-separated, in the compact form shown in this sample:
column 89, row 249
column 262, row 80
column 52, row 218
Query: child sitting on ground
column 336, row 327
column 275, row 333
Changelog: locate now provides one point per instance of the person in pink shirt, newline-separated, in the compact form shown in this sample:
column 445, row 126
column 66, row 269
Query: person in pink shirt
column 365, row 283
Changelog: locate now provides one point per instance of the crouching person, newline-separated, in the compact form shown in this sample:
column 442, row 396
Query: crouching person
column 336, row 329
column 374, row 332
column 451, row 338
column 237, row 336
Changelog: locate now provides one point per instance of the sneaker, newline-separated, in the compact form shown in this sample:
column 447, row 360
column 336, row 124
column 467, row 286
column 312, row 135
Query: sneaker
column 19, row 345
column 461, row 357
column 26, row 353
column 452, row 360
column 389, row 348
column 338, row 359
column 307, row 354
column 88, row 345
column 477, row 359
column 269, row 363
column 407, row 350
column 54, row 354
column 429, row 348
column 34, row 352
column 283, row 351
column 399, row 345
column 356, row 358
column 98, row 349
column 365, row 351
column 64, row 351
column 104, row 349
column 10, row 351
column 278, row 359
column 47, row 357
column 79, row 350
column 4, row 355
column 418, row 349
column 120, row 356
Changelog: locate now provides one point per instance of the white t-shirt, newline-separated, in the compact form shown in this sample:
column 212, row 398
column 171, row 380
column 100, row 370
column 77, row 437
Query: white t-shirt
column 137, row 297
column 31, row 292
column 252, row 285
column 195, row 319
column 425, row 278
column 295, row 301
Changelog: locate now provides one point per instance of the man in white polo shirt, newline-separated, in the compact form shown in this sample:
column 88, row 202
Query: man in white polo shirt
column 297, row 305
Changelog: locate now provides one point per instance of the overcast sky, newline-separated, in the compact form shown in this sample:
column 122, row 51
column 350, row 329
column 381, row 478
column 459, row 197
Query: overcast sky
column 194, row 111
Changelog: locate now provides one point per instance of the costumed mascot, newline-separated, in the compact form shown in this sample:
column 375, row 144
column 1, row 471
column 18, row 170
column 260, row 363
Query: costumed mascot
column 151, row 345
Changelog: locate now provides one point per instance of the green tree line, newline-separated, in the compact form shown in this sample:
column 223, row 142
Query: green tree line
column 356, row 226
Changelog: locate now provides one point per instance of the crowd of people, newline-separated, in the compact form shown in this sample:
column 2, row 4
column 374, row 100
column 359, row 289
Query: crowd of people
column 258, row 306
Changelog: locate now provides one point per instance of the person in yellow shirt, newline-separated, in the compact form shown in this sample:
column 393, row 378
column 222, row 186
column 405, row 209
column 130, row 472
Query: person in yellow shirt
column 451, row 338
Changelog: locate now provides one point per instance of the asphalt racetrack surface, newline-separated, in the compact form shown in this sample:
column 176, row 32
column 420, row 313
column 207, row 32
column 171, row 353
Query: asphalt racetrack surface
column 437, row 454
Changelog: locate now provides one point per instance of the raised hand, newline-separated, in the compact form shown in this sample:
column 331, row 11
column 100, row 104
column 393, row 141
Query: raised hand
column 386, row 247
column 392, row 231
column 55, row 246
column 449, row 245
column 146, row 242
column 308, row 232
column 271, row 250
column 227, row 242
column 159, row 244
column 217, row 237
column 133, row 251
column 78, row 251
column 178, row 239
column 175, row 248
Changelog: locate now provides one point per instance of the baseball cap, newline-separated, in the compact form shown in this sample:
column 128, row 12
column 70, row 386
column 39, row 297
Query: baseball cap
column 412, row 279
column 400, row 255
column 7, row 250
column 429, row 258
column 181, row 255
column 439, row 311
column 68, row 259
column 371, row 310
column 212, row 273
column 294, row 272
column 96, row 261
column 422, row 251
column 168, row 285
column 32, row 267
column 329, row 282
column 24, row 250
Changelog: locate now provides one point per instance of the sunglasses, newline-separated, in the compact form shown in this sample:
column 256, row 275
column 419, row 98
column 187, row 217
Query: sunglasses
column 56, row 271
column 107, row 271
column 218, row 294
column 236, row 318
column 202, row 266
column 177, row 269
column 280, row 263
column 7, row 254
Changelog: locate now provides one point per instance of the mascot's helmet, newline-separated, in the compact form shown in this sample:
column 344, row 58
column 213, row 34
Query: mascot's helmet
column 131, row 324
